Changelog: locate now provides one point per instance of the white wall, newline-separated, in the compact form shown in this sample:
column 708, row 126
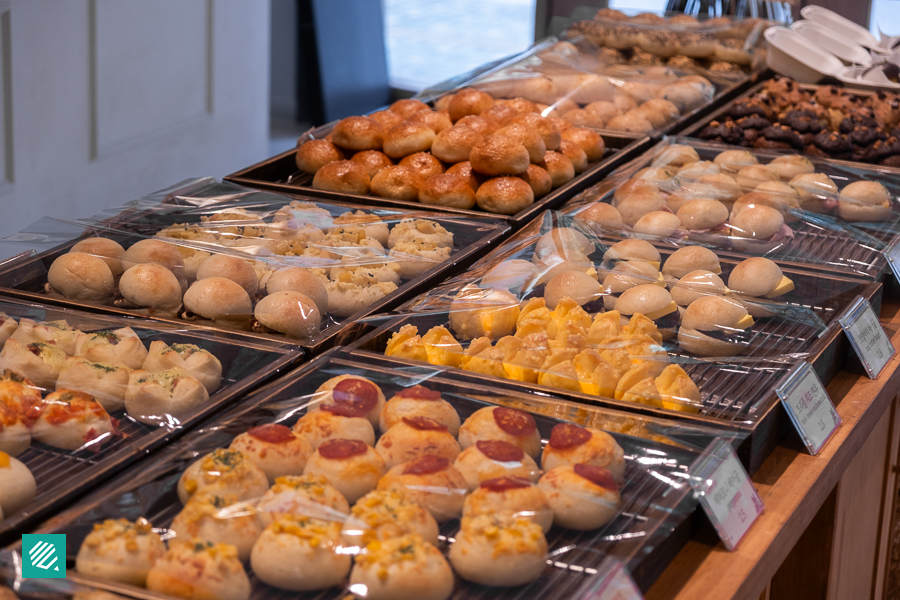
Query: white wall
column 107, row 100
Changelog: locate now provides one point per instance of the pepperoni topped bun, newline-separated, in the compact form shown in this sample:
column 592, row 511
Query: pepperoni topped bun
column 570, row 444
column 583, row 497
column 14, row 435
column 163, row 398
column 18, row 393
column 499, row 550
column 353, row 467
column 215, row 518
column 333, row 421
column 18, row 487
column 55, row 333
column 197, row 570
column 430, row 481
column 382, row 515
column 119, row 347
column 38, row 361
column 300, row 554
column 225, row 472
column 71, row 421
column 512, row 496
column 275, row 449
column 419, row 401
column 199, row 363
column 349, row 389
column 403, row 568
column 413, row 437
column 501, row 423
column 304, row 495
column 120, row 550
column 489, row 459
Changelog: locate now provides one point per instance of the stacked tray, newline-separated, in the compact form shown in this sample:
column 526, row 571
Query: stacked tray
column 280, row 174
column 198, row 200
column 62, row 476
column 653, row 524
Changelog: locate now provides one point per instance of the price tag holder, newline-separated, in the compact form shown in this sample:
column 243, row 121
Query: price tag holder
column 808, row 405
column 725, row 492
column 612, row 582
column 871, row 342
column 892, row 254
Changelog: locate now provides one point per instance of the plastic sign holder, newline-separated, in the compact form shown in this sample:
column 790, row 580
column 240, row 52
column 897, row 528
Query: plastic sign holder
column 871, row 342
column 612, row 582
column 808, row 405
column 725, row 492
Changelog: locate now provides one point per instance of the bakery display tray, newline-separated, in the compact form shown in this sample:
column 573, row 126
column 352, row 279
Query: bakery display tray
column 25, row 276
column 655, row 521
column 62, row 476
column 280, row 174
column 737, row 393
column 837, row 247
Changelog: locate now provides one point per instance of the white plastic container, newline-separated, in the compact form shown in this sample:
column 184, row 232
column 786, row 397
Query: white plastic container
column 833, row 42
column 793, row 55
column 842, row 26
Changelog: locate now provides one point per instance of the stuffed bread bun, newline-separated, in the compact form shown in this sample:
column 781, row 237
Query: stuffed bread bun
column 758, row 279
column 759, row 229
column 697, row 284
column 626, row 275
column 715, row 326
column 655, row 303
column 865, row 201
column 684, row 260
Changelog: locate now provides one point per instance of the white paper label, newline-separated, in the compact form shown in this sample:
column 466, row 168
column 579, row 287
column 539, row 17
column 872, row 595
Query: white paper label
column 726, row 492
column 871, row 342
column 809, row 407
column 612, row 582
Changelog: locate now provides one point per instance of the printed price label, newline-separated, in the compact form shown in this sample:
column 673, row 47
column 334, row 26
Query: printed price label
column 612, row 582
column 726, row 492
column 871, row 342
column 809, row 407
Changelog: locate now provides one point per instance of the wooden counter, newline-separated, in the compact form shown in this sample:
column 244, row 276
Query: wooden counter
column 795, row 487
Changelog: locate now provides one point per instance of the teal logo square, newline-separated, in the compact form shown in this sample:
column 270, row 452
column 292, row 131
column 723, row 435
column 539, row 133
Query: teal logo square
column 44, row 556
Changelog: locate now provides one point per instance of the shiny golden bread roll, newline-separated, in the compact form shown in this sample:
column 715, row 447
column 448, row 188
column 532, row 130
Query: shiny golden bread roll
column 590, row 141
column 477, row 124
column 499, row 115
column 504, row 195
column 522, row 105
column 454, row 145
column 528, row 137
column 469, row 101
column 499, row 155
column 583, row 118
column 424, row 164
column 344, row 176
column 472, row 178
column 386, row 119
column 358, row 133
column 437, row 121
column 559, row 167
column 546, row 128
column 372, row 161
column 407, row 107
column 447, row 189
column 408, row 138
column 443, row 102
column 397, row 182
column 315, row 154
column 575, row 154
column 539, row 179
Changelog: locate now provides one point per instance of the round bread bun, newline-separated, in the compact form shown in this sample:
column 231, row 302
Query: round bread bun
column 152, row 286
column 397, row 182
column 424, row 164
column 121, row 346
column 155, row 251
column 403, row 568
column 752, row 175
column 580, row 287
column 447, row 189
column 413, row 437
column 219, row 299
column 757, row 222
column 205, row 518
column 684, row 260
column 80, row 276
column 469, row 101
column 696, row 170
column 207, row 570
column 572, row 444
column 659, row 223
column 297, row 279
column 225, row 472
column 675, row 155
column 589, row 141
column 626, row 275
column 632, row 122
column 109, row 250
column 454, row 144
column 864, row 201
column 443, row 102
column 539, row 180
column 319, row 426
column 432, row 482
column 646, row 299
column 473, row 179
column 697, row 284
column 483, row 313
column 120, row 550
column 163, row 397
column 638, row 203
column 499, row 155
column 418, row 401
column 477, row 124
column 499, row 116
column 509, row 496
column 546, row 128
column 711, row 314
column 788, row 167
column 407, row 107
column 581, row 117
column 274, row 449
column 342, row 176
column 408, row 138
column 510, row 275
column 562, row 241
column 372, row 161
column 504, row 195
column 755, row 277
column 357, row 134
column 600, row 216
column 384, row 515
column 198, row 363
column 780, row 196
column 499, row 423
column 387, row 118
column 604, row 109
column 490, row 459
column 437, row 121
column 818, row 193
column 702, row 213
column 553, row 264
column 290, row 313
column 522, row 105
column 583, row 497
column 632, row 250
column 353, row 475
column 312, row 155
column 732, row 161
column 474, row 556
column 301, row 495
column 18, row 488
column 528, row 137
column 559, row 167
column 236, row 269
column 658, row 112
column 358, row 392
column 575, row 154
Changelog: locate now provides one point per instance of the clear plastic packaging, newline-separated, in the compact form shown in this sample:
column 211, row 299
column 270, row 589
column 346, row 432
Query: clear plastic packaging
column 242, row 259
column 83, row 395
column 528, row 502
column 771, row 203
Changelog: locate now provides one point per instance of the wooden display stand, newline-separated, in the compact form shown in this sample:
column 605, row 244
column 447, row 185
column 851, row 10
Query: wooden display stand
column 826, row 530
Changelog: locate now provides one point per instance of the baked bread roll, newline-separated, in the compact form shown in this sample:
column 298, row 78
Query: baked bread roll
column 110, row 251
column 510, row 274
column 18, row 488
column 121, row 346
column 357, row 134
column 416, row 436
column 580, row 287
column 652, row 301
column 335, row 421
column 464, row 169
column 560, row 168
column 756, row 278
column 447, row 189
column 344, row 177
column 372, row 161
column 495, row 550
column 865, row 201
column 290, row 313
column 509, row 496
column 164, row 398
column 407, row 107
column 500, row 423
column 504, row 195
column 583, row 497
column 431, row 482
column 632, row 250
column 120, row 550
column 236, row 269
column 469, row 101
column 715, row 326
column 301, row 496
column 197, row 362
column 436, row 120
column 697, row 284
column 351, row 466
column 218, row 519
column 423, row 163
column 362, row 394
column 297, row 279
column 387, row 118
column 793, row 165
column 219, row 299
column 197, row 570
column 56, row 333
column 14, row 435
column 408, row 138
column 37, row 361
column 490, row 459
column 732, row 161
column 483, row 313
column 397, row 182
column 383, row 515
column 106, row 382
column 225, row 472
column 403, row 568
column 312, row 155
column 72, row 421
column 570, row 444
column 546, row 128
column 690, row 258
column 454, row 145
column 658, row 224
column 600, row 216
column 275, row 449
column 418, row 401
column 80, row 276
column 499, row 155
column 153, row 287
